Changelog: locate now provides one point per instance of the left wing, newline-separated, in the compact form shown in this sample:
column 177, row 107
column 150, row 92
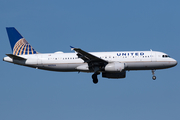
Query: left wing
column 87, row 57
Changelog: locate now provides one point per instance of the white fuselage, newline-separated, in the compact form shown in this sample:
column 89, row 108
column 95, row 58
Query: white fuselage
column 64, row 62
column 110, row 64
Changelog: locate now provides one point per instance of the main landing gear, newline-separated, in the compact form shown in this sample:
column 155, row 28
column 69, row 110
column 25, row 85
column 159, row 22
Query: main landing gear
column 153, row 77
column 94, row 77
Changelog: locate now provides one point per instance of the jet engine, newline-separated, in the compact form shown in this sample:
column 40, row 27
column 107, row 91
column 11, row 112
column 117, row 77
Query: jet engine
column 114, row 74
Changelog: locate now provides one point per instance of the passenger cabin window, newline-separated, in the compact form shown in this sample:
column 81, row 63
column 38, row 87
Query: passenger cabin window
column 165, row 56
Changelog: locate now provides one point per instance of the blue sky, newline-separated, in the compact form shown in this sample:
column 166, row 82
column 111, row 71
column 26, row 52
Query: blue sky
column 50, row 26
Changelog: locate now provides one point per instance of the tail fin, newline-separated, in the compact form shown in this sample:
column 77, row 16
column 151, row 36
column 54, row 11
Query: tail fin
column 19, row 45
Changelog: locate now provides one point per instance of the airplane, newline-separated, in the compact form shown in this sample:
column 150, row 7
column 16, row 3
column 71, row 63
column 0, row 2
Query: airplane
column 112, row 65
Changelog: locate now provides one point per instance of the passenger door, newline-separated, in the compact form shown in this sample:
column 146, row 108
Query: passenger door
column 153, row 56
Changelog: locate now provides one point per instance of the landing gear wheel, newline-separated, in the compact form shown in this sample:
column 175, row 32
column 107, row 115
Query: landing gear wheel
column 95, row 79
column 154, row 77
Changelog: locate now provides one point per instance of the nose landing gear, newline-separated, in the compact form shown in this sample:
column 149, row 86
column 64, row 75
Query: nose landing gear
column 153, row 77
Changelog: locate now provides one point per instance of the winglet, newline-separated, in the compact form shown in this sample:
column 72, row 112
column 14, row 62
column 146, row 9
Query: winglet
column 72, row 48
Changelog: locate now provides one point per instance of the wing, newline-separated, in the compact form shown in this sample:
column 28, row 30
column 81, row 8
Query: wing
column 95, row 63
column 87, row 57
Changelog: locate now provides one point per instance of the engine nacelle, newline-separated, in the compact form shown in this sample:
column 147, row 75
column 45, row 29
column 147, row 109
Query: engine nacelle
column 115, row 67
column 114, row 74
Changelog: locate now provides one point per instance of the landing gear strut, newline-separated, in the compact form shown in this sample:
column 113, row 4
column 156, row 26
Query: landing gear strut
column 153, row 77
column 94, row 77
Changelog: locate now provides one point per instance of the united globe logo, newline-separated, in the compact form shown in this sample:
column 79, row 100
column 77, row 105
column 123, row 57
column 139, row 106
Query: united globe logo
column 22, row 47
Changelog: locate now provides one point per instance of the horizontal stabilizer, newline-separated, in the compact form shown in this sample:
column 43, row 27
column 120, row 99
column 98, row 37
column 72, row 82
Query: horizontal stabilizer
column 15, row 57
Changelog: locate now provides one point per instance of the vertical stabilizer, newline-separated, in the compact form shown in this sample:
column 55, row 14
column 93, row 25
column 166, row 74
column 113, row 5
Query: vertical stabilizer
column 18, row 43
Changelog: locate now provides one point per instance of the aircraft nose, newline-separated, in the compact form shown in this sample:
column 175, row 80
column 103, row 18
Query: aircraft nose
column 174, row 62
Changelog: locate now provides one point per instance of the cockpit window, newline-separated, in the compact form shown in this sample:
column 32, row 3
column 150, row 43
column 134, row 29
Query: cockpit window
column 165, row 56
